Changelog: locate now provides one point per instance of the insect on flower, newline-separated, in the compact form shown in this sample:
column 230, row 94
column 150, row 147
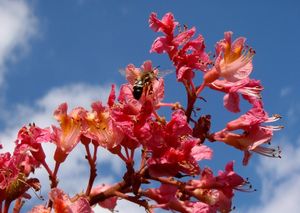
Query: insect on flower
column 142, row 79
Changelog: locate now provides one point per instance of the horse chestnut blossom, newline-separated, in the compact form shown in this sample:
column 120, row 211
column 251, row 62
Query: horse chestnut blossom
column 233, row 62
column 164, row 159
column 67, row 136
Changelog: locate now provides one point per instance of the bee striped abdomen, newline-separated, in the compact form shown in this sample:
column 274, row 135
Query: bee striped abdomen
column 138, row 89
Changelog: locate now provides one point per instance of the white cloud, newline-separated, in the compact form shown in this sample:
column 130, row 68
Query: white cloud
column 18, row 25
column 280, row 181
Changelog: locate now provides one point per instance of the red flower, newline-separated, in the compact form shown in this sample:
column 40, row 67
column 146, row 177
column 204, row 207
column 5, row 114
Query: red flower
column 173, row 149
column 40, row 209
column 233, row 62
column 217, row 191
column 255, row 116
column 14, row 172
column 167, row 24
column 168, row 197
column 68, row 135
column 101, row 127
column 62, row 202
column 33, row 137
column 250, row 89
column 9, row 171
column 186, row 54
column 251, row 140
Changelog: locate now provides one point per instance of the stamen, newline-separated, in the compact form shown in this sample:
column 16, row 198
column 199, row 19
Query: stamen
column 245, row 187
column 275, row 117
column 215, row 85
column 240, row 62
column 273, row 128
column 268, row 152
column 251, row 91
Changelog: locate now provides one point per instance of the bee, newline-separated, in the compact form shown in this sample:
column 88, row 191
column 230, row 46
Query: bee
column 143, row 79
column 144, row 83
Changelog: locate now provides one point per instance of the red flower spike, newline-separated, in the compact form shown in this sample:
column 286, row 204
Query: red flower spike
column 171, row 150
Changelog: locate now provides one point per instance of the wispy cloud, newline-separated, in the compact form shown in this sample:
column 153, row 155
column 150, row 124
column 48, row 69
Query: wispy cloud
column 18, row 25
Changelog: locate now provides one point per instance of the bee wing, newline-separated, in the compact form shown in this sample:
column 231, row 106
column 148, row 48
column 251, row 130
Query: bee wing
column 131, row 73
column 122, row 72
column 163, row 73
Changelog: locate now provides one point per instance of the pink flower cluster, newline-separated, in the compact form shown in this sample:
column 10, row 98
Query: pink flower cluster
column 228, row 72
column 16, row 168
column 170, row 150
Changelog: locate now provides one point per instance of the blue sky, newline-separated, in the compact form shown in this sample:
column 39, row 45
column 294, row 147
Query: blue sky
column 56, row 51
